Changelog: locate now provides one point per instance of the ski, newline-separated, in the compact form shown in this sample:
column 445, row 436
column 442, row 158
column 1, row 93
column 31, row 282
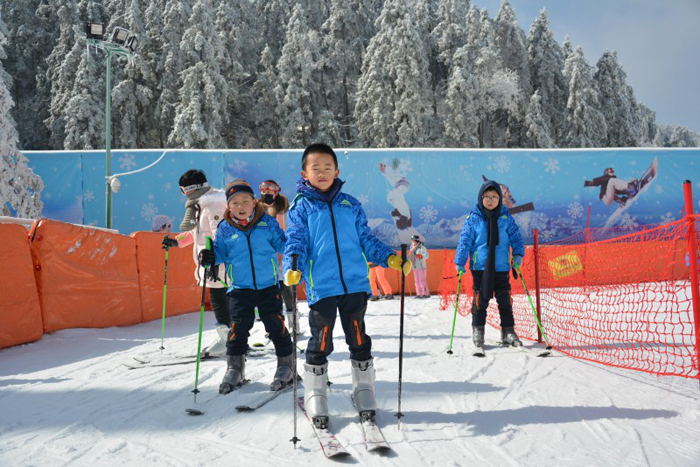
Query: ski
column 374, row 438
column 262, row 399
column 330, row 445
column 531, row 351
column 199, row 411
column 186, row 359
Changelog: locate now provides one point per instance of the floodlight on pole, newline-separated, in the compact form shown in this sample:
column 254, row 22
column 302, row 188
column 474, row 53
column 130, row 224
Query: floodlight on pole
column 110, row 44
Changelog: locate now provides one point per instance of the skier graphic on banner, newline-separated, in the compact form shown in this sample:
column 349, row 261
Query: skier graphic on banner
column 398, row 187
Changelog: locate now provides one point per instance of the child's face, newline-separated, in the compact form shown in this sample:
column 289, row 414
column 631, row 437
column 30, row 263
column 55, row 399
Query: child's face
column 320, row 170
column 241, row 205
column 490, row 199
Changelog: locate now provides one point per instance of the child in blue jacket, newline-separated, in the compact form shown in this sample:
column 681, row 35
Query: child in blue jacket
column 247, row 242
column 488, row 235
column 328, row 231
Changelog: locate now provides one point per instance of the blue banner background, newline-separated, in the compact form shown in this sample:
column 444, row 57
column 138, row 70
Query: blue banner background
column 431, row 189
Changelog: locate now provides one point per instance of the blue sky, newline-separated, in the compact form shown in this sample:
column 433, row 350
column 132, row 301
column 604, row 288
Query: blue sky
column 657, row 43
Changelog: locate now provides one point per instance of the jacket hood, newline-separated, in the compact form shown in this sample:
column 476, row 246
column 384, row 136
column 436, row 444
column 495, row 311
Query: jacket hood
column 490, row 185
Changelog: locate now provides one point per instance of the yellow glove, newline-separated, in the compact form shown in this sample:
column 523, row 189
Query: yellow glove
column 395, row 263
column 292, row 277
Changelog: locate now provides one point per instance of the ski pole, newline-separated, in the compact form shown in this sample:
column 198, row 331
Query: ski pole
column 165, row 292
column 201, row 324
column 295, row 439
column 398, row 414
column 534, row 311
column 454, row 320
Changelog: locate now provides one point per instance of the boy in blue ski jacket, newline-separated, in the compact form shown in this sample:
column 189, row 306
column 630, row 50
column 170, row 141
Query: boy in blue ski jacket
column 247, row 242
column 488, row 235
column 328, row 231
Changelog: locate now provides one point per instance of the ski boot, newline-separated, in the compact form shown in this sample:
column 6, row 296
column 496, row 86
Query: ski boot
column 218, row 347
column 509, row 337
column 388, row 297
column 375, row 298
column 284, row 374
column 478, row 336
column 363, row 388
column 235, row 374
column 315, row 394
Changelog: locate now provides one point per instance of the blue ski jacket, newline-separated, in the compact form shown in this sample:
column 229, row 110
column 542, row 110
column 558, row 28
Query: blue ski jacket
column 472, row 242
column 330, row 234
column 250, row 255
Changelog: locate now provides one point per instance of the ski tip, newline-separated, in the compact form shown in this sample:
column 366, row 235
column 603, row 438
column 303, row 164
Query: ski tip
column 194, row 412
column 545, row 354
column 244, row 408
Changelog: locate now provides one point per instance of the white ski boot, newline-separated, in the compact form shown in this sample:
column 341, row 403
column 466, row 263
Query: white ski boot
column 363, row 388
column 315, row 394
column 218, row 347
column 235, row 374
column 284, row 374
column 478, row 341
column 509, row 337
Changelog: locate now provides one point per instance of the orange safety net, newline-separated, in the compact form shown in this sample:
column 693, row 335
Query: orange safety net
column 624, row 302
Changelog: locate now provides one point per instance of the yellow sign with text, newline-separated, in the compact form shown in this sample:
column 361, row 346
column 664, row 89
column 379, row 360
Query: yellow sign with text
column 565, row 265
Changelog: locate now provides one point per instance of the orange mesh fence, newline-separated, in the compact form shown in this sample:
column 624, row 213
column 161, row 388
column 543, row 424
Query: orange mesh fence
column 623, row 302
column 20, row 314
column 183, row 294
column 85, row 277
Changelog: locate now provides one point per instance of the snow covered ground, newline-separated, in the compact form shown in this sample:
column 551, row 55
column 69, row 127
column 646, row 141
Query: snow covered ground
column 68, row 399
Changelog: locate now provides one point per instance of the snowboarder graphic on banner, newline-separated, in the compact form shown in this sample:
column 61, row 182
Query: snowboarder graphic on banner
column 613, row 188
column 204, row 209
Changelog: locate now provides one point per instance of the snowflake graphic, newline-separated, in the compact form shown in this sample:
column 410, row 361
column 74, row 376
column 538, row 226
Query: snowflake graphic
column 575, row 210
column 430, row 199
column 658, row 189
column 668, row 217
column 465, row 204
column 151, row 197
column 546, row 235
column 552, row 166
column 148, row 211
column 238, row 166
column 47, row 195
column 127, row 161
column 628, row 221
column 168, row 186
column 79, row 199
column 501, row 164
column 428, row 213
column 363, row 199
column 89, row 196
column 577, row 197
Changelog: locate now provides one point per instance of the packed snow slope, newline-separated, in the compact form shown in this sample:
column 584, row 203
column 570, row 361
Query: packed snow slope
column 70, row 399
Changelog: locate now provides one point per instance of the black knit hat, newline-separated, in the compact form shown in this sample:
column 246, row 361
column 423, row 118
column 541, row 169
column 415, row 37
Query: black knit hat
column 193, row 179
column 238, row 186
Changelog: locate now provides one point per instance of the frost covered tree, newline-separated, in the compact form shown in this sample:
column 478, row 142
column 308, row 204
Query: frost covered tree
column 298, row 91
column 392, row 109
column 647, row 125
column 201, row 113
column 512, row 45
column 537, row 124
column 267, row 125
column 546, row 74
column 618, row 103
column 273, row 16
column 587, row 126
column 449, row 33
column 20, row 188
column 461, row 122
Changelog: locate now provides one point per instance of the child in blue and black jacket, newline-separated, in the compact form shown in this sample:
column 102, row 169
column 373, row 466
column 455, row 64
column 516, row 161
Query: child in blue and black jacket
column 247, row 243
column 488, row 235
column 328, row 231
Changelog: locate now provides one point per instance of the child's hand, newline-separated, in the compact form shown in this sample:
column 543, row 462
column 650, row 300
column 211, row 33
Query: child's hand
column 292, row 277
column 517, row 261
column 394, row 262
column 460, row 269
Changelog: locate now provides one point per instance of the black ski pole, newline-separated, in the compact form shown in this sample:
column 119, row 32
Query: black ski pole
column 398, row 414
column 294, row 440
column 165, row 294
column 201, row 324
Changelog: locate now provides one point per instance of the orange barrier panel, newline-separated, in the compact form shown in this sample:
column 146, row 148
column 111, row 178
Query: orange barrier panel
column 20, row 314
column 183, row 294
column 85, row 277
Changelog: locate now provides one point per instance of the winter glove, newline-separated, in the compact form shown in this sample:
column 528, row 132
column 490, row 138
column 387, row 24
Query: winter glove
column 169, row 243
column 517, row 261
column 394, row 262
column 292, row 277
column 587, row 183
column 212, row 273
column 207, row 258
column 460, row 269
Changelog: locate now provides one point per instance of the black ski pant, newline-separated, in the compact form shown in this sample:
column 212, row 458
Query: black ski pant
column 242, row 303
column 219, row 302
column 286, row 292
column 502, row 292
column 351, row 308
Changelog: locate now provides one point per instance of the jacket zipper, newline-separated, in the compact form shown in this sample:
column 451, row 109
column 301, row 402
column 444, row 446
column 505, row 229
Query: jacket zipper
column 252, row 266
column 337, row 248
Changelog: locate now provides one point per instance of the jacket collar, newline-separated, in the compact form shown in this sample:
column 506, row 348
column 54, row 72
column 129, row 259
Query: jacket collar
column 305, row 189
column 257, row 214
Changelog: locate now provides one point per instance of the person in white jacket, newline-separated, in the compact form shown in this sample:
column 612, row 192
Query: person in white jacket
column 204, row 209
column 418, row 254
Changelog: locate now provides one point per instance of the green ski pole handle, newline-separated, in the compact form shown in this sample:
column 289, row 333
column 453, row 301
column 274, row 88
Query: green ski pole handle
column 454, row 320
column 201, row 324
column 532, row 305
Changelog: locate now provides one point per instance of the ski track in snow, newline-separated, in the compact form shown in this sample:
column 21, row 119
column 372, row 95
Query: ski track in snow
column 68, row 399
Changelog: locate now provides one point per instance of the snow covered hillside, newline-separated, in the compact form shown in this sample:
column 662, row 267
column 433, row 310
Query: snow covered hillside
column 70, row 399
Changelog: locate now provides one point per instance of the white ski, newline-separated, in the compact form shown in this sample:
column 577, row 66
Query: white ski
column 330, row 445
column 374, row 438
